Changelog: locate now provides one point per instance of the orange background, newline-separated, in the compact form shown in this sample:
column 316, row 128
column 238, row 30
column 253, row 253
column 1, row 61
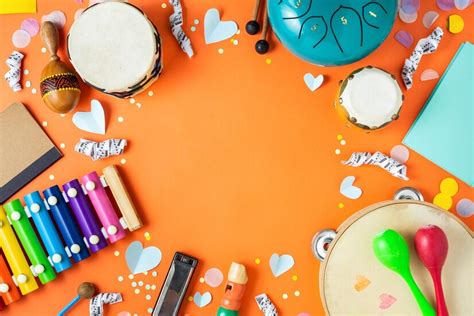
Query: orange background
column 232, row 159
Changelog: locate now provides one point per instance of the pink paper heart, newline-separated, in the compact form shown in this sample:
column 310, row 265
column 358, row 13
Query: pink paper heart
column 429, row 74
column 386, row 300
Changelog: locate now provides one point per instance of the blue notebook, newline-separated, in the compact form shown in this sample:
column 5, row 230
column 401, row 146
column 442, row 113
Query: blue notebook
column 443, row 131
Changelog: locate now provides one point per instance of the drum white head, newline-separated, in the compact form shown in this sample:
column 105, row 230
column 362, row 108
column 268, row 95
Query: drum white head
column 371, row 97
column 113, row 46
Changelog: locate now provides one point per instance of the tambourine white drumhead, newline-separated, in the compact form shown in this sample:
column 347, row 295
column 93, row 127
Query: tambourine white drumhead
column 351, row 255
column 112, row 46
column 372, row 96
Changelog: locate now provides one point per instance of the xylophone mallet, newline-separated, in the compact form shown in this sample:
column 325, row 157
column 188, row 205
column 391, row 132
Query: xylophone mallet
column 85, row 290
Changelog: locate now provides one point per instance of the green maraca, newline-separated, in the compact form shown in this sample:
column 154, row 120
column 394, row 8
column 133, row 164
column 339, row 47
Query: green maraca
column 392, row 250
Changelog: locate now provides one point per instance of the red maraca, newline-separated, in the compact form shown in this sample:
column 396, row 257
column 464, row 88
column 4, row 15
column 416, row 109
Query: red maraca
column 431, row 246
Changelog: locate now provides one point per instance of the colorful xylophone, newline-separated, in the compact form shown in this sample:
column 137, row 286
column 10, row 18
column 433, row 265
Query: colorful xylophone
column 64, row 234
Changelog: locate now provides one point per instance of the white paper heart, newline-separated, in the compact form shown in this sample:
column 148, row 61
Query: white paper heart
column 313, row 83
column 281, row 264
column 348, row 189
column 216, row 30
column 202, row 300
column 93, row 121
column 141, row 259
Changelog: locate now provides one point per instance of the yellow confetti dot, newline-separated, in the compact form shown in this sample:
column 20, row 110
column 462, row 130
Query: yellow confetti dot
column 51, row 177
column 130, row 276
column 137, row 291
column 268, row 61
column 340, row 205
column 294, row 277
column 297, row 293
column 153, row 287
column 62, row 115
column 449, row 186
column 339, row 137
column 443, row 200
column 337, row 151
column 285, row 296
column 220, row 51
column 257, row 261
column 455, row 24
column 62, row 145
column 150, row 93
column 120, row 119
column 190, row 298
column 123, row 161
column 343, row 142
column 147, row 236
column 163, row 5
column 201, row 280
column 117, row 253
column 45, row 123
column 145, row 273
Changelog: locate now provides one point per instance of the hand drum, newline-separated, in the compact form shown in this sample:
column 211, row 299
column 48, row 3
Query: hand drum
column 59, row 85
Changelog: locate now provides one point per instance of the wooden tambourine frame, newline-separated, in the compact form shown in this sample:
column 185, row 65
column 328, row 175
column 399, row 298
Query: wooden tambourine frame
column 350, row 254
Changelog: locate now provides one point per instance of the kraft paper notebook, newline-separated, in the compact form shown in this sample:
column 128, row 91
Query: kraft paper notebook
column 443, row 131
column 25, row 150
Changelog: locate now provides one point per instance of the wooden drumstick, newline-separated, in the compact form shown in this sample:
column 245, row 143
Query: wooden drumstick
column 262, row 45
column 59, row 85
column 252, row 27
column 85, row 290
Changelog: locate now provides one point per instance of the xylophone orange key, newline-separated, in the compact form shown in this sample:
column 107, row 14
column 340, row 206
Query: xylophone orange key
column 8, row 290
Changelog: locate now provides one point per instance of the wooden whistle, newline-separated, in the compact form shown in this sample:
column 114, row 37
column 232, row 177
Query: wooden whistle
column 59, row 85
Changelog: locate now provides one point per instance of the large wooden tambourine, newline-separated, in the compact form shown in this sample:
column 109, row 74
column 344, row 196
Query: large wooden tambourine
column 350, row 255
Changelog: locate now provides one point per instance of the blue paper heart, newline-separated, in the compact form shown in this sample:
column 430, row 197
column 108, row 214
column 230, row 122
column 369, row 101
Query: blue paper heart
column 141, row 259
column 202, row 300
column 281, row 264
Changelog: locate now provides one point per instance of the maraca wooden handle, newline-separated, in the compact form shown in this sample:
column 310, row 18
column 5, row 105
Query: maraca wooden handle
column 50, row 36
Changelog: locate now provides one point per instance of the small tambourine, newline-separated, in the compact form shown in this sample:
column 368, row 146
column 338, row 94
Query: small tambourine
column 59, row 85
column 369, row 98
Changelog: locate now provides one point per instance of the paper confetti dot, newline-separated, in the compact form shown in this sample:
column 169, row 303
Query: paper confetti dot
column 130, row 276
column 147, row 237
column 148, row 297
column 150, row 93
column 154, row 273
column 461, row 4
column 238, row 32
column 235, row 42
column 190, row 298
column 455, row 24
column 193, row 28
column 220, row 51
column 120, row 119
column 361, row 283
column 445, row 5
column 443, row 200
column 429, row 18
column 26, row 72
column 213, row 277
column 140, row 283
column 258, row 261
column 34, row 91
column 150, row 310
column 465, row 207
column 153, row 287
column 404, row 38
column 297, row 293
column 147, row 286
column 196, row 21
column 201, row 280
column 31, row 26
column 139, row 105
column 145, row 273
column 124, row 314
column 407, row 17
column 134, row 284
column 284, row 296
column 163, row 5
column 28, row 84
column 21, row 38
column 51, row 177
column 340, row 205
column 339, row 137
column 294, row 277
column 62, row 115
column 137, row 291
column 62, row 145
column 429, row 74
column 132, row 101
column 268, row 61
column 43, row 50
column 337, row 151
column 449, row 186
column 343, row 142
column 120, row 278
column 400, row 153
column 116, row 253
column 303, row 314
